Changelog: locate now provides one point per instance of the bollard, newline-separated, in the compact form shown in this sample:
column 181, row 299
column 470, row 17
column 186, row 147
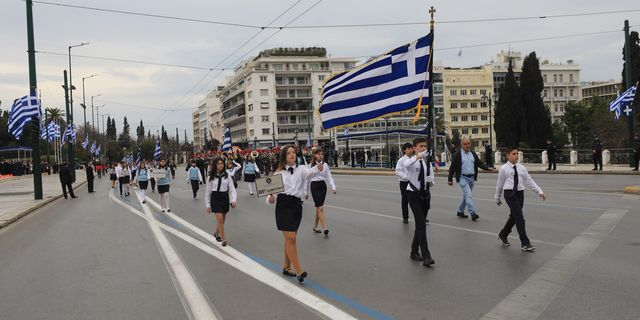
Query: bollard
column 443, row 157
column 545, row 157
column 520, row 157
column 573, row 156
column 497, row 158
column 606, row 157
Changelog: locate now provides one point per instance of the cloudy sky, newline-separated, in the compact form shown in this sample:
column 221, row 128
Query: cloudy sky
column 164, row 95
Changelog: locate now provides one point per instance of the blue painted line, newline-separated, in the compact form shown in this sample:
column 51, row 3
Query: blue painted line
column 374, row 314
column 166, row 220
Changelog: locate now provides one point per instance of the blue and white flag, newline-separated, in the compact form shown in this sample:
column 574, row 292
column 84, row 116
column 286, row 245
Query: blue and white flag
column 623, row 102
column 138, row 158
column 85, row 143
column 97, row 153
column 69, row 133
column 395, row 81
column 23, row 110
column 54, row 131
column 308, row 142
column 226, row 144
column 93, row 148
column 44, row 131
column 158, row 152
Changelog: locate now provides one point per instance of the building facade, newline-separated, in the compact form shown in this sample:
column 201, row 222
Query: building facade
column 608, row 90
column 561, row 86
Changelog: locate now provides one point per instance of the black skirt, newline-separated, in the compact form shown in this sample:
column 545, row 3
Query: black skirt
column 143, row 185
column 124, row 179
column 113, row 177
column 219, row 202
column 249, row 177
column 163, row 188
column 288, row 212
column 318, row 192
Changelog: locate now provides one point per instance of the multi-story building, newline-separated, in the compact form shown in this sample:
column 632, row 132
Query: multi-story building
column 275, row 96
column 561, row 86
column 608, row 90
column 214, row 114
column 500, row 67
column 195, row 119
column 465, row 111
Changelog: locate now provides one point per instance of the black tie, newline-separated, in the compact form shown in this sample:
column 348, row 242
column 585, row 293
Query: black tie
column 219, row 182
column 290, row 170
column 515, row 181
column 421, row 177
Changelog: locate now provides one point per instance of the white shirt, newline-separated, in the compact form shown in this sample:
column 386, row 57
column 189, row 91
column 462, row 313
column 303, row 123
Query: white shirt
column 324, row 175
column 412, row 168
column 236, row 167
column 401, row 171
column 294, row 184
column 118, row 171
column 225, row 185
column 505, row 179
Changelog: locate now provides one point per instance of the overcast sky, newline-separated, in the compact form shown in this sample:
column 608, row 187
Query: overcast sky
column 206, row 45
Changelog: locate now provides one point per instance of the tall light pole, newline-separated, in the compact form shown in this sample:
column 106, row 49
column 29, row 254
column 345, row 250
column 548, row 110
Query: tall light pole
column 103, row 127
column 71, row 87
column 84, row 101
column 488, row 101
column 97, row 95
column 35, row 155
column 98, row 115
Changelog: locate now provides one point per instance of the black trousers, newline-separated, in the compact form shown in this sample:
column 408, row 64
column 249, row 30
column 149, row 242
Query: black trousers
column 552, row 162
column 153, row 184
column 516, row 217
column 405, row 200
column 195, row 185
column 67, row 186
column 420, row 203
column 90, row 184
column 597, row 159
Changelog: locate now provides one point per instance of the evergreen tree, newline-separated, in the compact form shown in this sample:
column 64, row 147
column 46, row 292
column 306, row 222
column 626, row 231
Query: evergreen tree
column 164, row 136
column 634, row 40
column 108, row 127
column 114, row 131
column 186, row 139
column 140, row 131
column 538, row 118
column 125, row 127
column 177, row 137
column 509, row 123
column 124, row 140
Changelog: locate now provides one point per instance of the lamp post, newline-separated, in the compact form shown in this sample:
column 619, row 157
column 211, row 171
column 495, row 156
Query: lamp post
column 98, row 116
column 103, row 127
column 71, row 87
column 93, row 123
column 273, row 133
column 488, row 101
column 84, row 101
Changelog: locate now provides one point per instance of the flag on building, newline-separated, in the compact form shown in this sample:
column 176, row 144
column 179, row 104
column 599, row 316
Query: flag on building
column 226, row 144
column 392, row 82
column 623, row 102
column 85, row 143
column 158, row 152
column 69, row 133
column 93, row 148
column 23, row 111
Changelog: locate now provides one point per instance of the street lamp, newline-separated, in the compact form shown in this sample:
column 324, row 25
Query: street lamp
column 70, row 81
column 84, row 102
column 488, row 101
column 99, row 94
column 98, row 115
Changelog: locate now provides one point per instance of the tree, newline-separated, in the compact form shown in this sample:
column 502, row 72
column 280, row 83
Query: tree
column 531, row 86
column 186, row 139
column 140, row 131
column 149, row 134
column 55, row 115
column 587, row 118
column 164, row 136
column 634, row 42
column 124, row 140
column 560, row 136
column 177, row 137
column 5, row 137
column 576, row 120
column 510, row 121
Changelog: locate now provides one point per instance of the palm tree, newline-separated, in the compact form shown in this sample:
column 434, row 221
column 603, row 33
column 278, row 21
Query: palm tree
column 55, row 115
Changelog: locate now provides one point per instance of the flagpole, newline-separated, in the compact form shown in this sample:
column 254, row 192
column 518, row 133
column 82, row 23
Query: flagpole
column 629, row 84
column 432, row 108
column 33, row 84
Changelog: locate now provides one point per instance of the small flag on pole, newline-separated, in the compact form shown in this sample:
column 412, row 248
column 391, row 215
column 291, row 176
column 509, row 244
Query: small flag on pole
column 226, row 144
column 85, row 143
column 69, row 133
column 97, row 153
column 623, row 102
column 158, row 152
column 93, row 148
column 23, row 110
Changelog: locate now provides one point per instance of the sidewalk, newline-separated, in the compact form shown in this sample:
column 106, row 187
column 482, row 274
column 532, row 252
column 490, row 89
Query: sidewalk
column 532, row 167
column 16, row 195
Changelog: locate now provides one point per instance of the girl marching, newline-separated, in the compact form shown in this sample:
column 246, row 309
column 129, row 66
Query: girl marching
column 250, row 170
column 143, row 179
column 219, row 194
column 318, row 186
column 124, row 178
column 163, row 185
column 112, row 175
column 289, row 206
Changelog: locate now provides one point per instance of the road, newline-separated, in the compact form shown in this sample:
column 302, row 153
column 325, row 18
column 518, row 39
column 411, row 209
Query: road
column 106, row 257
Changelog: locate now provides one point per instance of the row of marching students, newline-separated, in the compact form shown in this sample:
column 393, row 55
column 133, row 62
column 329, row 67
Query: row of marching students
column 126, row 174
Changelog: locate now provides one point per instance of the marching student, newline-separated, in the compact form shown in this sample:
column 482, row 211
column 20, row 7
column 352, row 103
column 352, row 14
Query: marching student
column 401, row 173
column 289, row 206
column 163, row 185
column 232, row 168
column 249, row 171
column 125, row 179
column 112, row 175
column 195, row 178
column 152, row 180
column 421, row 177
column 220, row 192
column 512, row 179
column 318, row 186
column 142, row 178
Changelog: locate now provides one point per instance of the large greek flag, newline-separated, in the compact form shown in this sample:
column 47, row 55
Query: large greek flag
column 395, row 81
column 226, row 144
column 69, row 133
column 85, row 143
column 54, row 131
column 23, row 110
column 93, row 148
column 624, row 100
column 158, row 152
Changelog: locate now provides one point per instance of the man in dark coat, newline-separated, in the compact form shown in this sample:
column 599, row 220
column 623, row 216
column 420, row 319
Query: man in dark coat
column 636, row 151
column 551, row 154
column 464, row 166
column 65, row 180
column 90, row 177
column 596, row 149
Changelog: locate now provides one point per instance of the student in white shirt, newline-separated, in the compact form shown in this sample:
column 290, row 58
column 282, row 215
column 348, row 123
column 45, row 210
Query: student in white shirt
column 401, row 173
column 318, row 187
column 289, row 206
column 512, row 179
column 219, row 194
column 232, row 168
column 421, row 177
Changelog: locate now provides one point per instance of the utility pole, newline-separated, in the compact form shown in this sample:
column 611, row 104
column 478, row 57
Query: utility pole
column 72, row 160
column 628, row 84
column 35, row 125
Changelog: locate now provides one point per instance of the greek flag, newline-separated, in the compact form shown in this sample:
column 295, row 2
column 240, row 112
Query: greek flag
column 226, row 144
column 395, row 81
column 158, row 152
column 98, row 151
column 44, row 133
column 624, row 101
column 93, row 148
column 85, row 143
column 54, row 131
column 69, row 133
column 23, row 110
column 138, row 158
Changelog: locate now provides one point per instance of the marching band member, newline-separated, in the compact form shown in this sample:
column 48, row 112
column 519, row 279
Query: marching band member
column 220, row 192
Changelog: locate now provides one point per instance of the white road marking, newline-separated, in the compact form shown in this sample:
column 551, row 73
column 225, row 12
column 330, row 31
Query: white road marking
column 493, row 234
column 532, row 298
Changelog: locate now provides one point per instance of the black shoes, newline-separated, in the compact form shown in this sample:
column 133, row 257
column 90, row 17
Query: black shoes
column 474, row 216
column 416, row 257
column 326, row 232
column 316, row 230
column 302, row 276
column 528, row 248
column 504, row 240
column 168, row 210
column 428, row 262
column 462, row 215
column 65, row 196
column 74, row 197
column 217, row 236
column 288, row 272
column 144, row 201
column 405, row 220
column 224, row 243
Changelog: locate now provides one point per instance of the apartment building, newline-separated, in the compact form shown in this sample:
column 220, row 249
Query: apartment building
column 561, row 86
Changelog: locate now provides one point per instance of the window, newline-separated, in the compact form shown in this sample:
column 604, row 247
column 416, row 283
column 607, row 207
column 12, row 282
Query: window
column 464, row 118
column 571, row 78
column 474, row 131
column 264, row 105
column 556, row 108
column 484, row 117
column 555, row 78
column 278, row 67
column 301, row 80
column 571, row 92
column 555, row 92
column 263, row 78
column 292, row 80
column 463, row 92
column 544, row 93
column 453, row 92
column 561, row 92
column 321, row 77
column 250, row 120
column 251, row 132
column 473, row 92
column 249, row 81
column 474, row 118
column 485, row 130
column 250, row 107
column 474, row 105
column 265, row 118
column 561, row 108
column 544, row 76
column 266, row 130
column 279, row 80
column 454, row 118
column 463, row 105
column 483, row 92
column 250, row 94
column 465, row 131
column 264, row 92
column 560, row 78
column 454, row 106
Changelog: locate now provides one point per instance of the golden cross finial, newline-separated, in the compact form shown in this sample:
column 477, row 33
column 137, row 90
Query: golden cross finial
column 432, row 11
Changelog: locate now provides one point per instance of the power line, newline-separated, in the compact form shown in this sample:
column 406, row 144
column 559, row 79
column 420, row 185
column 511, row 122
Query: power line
column 129, row 61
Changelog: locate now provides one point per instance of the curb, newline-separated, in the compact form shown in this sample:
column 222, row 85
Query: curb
column 36, row 207
column 444, row 172
column 632, row 190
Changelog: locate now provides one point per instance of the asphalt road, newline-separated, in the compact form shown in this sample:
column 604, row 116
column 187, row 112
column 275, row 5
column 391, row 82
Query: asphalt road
column 106, row 257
